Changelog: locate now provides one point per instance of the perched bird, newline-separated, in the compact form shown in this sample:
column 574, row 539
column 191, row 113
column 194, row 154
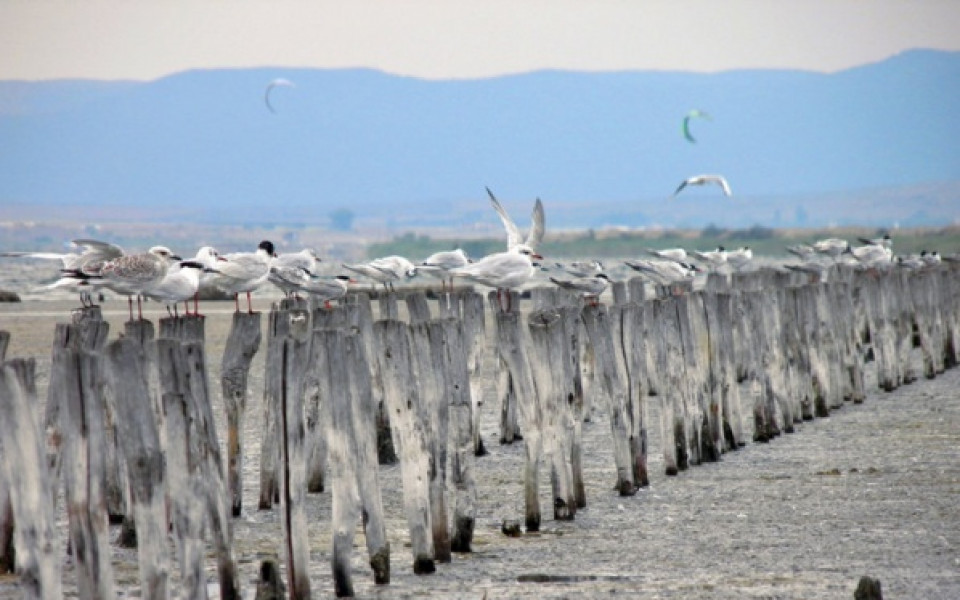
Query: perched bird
column 674, row 254
column 244, row 272
column 930, row 258
column 504, row 271
column 385, row 270
column 714, row 258
column 306, row 260
column 182, row 281
column 581, row 268
column 131, row 274
column 663, row 272
column 740, row 257
column 704, row 180
column 324, row 289
column 872, row 255
column 802, row 251
column 886, row 241
column 439, row 263
column 515, row 242
column 95, row 254
column 832, row 247
column 590, row 287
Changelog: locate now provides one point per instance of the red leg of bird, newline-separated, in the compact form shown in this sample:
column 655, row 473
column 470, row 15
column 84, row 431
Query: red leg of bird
column 326, row 304
column 249, row 304
column 196, row 303
column 139, row 307
column 186, row 308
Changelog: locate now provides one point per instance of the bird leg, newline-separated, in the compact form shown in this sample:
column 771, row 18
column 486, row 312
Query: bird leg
column 196, row 301
column 236, row 302
column 249, row 304
column 130, row 306
column 139, row 307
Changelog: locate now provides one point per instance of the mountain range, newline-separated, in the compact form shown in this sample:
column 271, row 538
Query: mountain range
column 876, row 144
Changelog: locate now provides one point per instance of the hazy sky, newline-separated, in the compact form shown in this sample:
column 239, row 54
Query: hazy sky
column 143, row 39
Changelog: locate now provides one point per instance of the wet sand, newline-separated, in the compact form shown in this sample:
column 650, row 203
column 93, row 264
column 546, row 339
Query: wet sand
column 872, row 490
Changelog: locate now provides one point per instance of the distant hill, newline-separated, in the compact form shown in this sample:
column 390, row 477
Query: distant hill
column 798, row 148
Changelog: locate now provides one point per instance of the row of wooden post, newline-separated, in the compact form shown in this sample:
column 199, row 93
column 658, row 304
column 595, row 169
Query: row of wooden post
column 342, row 393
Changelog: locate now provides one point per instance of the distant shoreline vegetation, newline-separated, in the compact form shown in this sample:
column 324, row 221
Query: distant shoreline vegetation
column 764, row 241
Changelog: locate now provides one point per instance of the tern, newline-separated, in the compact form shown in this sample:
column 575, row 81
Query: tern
column 740, row 257
column 590, row 287
column 714, row 258
column 439, row 263
column 674, row 254
column 663, row 272
column 704, row 180
column 886, row 241
column 515, row 242
column 832, row 247
column 323, row 289
column 503, row 271
column 581, row 268
column 306, row 260
column 182, row 281
column 385, row 270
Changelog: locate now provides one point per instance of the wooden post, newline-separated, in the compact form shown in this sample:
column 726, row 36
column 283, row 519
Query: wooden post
column 31, row 490
column 720, row 320
column 360, row 317
column 513, row 353
column 449, row 333
column 475, row 341
column 190, row 379
column 7, row 552
column 634, row 347
column 388, row 306
column 241, row 346
column 506, row 388
column 294, row 354
column 317, row 411
column 278, row 324
column 612, row 386
column 700, row 427
column 669, row 382
column 548, row 360
column 140, row 440
column 84, row 467
column 428, row 356
column 334, row 380
column 185, row 485
column 364, row 412
column 402, row 397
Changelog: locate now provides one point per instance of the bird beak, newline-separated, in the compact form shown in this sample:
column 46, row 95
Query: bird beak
column 209, row 270
column 536, row 256
column 221, row 258
column 175, row 257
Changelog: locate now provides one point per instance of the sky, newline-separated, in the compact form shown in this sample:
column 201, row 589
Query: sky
column 442, row 39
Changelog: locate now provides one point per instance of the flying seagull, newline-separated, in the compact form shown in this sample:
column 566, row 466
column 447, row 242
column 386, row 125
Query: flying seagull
column 704, row 180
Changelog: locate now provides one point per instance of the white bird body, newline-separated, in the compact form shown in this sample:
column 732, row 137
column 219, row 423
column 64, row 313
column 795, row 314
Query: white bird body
column 439, row 264
column 930, row 258
column 674, row 254
column 590, row 287
column 385, row 270
column 503, row 270
column 663, row 272
column 872, row 255
column 832, row 247
column 581, row 268
column 296, row 279
column 515, row 242
column 183, row 279
column 714, row 258
column 306, row 260
column 886, row 241
column 705, row 180
column 740, row 257
column 243, row 272
column 133, row 274
column 803, row 251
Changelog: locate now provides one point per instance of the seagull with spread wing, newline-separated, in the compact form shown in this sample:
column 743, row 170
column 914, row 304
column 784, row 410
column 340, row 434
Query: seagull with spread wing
column 515, row 242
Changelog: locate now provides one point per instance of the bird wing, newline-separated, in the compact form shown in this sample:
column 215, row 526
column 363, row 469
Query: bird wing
column 538, row 226
column 681, row 186
column 726, row 186
column 513, row 233
column 104, row 249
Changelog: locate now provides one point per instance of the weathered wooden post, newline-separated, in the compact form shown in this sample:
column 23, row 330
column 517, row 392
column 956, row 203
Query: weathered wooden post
column 278, row 324
column 241, row 346
column 512, row 352
column 404, row 403
column 506, row 387
column 669, row 384
column 548, row 360
column 189, row 378
column 84, row 470
column 635, row 349
column 719, row 312
column 140, row 440
column 703, row 420
column 428, row 356
column 473, row 317
column 612, row 385
column 7, row 552
column 293, row 358
column 31, row 490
